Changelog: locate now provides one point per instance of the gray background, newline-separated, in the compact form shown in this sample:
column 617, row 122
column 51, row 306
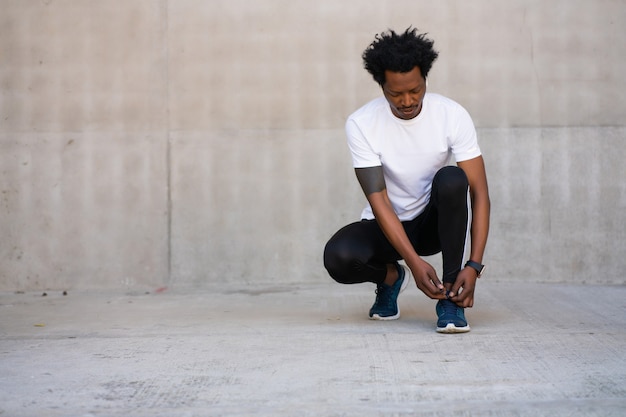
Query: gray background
column 188, row 143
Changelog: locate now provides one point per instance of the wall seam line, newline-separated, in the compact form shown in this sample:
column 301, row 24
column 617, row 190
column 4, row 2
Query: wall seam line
column 168, row 138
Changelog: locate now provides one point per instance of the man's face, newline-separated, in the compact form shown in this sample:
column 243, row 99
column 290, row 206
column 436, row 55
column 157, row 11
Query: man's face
column 405, row 91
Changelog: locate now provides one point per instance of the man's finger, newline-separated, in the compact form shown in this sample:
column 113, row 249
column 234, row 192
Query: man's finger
column 435, row 280
column 431, row 290
column 454, row 291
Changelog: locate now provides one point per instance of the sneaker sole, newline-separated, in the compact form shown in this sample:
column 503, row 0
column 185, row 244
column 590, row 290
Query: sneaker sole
column 377, row 317
column 451, row 328
column 405, row 283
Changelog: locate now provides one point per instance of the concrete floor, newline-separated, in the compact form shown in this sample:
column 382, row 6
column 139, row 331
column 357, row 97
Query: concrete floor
column 309, row 350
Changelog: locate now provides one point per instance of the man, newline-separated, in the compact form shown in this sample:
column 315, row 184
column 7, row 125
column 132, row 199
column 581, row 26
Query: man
column 401, row 144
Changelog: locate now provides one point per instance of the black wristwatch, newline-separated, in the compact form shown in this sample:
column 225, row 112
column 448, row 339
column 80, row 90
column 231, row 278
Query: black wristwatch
column 480, row 268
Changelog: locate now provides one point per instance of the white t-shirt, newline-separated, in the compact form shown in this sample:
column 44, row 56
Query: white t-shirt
column 410, row 151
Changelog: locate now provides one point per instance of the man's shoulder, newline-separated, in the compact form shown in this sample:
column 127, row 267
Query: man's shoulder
column 440, row 102
column 369, row 109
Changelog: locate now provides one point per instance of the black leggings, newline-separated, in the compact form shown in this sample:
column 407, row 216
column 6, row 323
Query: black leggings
column 360, row 252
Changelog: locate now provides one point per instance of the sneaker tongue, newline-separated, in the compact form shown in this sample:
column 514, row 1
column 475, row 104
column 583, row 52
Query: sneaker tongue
column 449, row 305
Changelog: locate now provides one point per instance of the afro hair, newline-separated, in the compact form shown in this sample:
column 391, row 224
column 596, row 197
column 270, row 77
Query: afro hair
column 399, row 53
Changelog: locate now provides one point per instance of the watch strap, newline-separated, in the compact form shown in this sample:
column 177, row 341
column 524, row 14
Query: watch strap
column 475, row 265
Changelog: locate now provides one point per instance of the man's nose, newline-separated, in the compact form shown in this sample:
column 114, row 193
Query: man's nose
column 406, row 100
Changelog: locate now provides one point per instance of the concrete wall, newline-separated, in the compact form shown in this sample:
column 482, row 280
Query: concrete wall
column 150, row 143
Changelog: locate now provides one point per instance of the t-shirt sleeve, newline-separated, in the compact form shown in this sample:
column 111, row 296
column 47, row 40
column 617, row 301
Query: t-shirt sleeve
column 363, row 156
column 464, row 141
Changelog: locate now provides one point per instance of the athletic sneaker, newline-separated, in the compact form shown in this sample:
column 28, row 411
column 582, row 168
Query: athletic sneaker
column 451, row 318
column 386, row 305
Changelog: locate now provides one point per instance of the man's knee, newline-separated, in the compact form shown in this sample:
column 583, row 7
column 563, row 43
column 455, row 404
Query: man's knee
column 337, row 261
column 450, row 181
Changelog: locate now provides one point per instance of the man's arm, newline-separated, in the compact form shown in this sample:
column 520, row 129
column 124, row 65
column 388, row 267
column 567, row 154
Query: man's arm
column 481, row 206
column 372, row 182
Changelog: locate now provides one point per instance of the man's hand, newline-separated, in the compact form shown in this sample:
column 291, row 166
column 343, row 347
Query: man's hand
column 462, row 292
column 427, row 281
